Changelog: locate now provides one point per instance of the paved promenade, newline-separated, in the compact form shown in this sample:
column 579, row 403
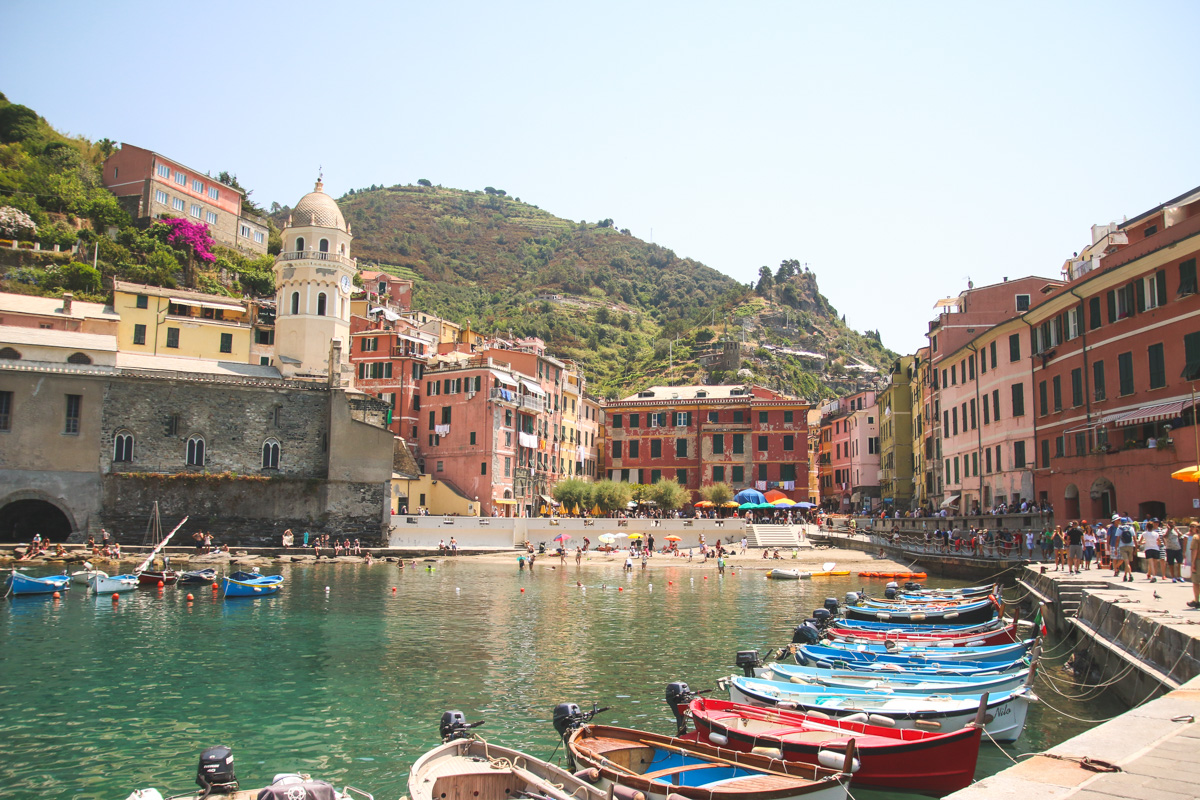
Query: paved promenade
column 1155, row 746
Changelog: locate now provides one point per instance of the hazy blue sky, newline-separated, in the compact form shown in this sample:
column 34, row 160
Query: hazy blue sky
column 896, row 148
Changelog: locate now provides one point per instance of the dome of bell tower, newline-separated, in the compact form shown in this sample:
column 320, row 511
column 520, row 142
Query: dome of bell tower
column 317, row 209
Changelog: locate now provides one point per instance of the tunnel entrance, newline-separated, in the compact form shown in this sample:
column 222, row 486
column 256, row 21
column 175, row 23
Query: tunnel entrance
column 21, row 519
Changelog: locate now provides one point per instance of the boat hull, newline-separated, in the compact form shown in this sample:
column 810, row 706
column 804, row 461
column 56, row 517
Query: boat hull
column 198, row 577
column 259, row 587
column 787, row 574
column 104, row 584
column 950, row 712
column 84, row 576
column 683, row 769
column 891, row 758
column 151, row 578
column 902, row 682
column 826, row 658
column 19, row 584
column 933, row 651
column 465, row 768
column 970, row 614
column 994, row 638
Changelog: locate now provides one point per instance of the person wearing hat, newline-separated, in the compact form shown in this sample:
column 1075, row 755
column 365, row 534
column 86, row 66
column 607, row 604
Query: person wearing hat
column 1125, row 546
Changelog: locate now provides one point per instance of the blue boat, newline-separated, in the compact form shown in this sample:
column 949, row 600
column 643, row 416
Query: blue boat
column 18, row 584
column 826, row 658
column 870, row 625
column 964, row 614
column 903, row 682
column 930, row 650
column 255, row 587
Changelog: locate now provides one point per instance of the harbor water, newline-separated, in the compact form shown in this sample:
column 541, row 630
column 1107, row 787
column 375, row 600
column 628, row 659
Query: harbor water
column 341, row 677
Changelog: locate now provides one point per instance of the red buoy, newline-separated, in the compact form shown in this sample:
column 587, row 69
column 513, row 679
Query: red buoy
column 393, row 590
column 160, row 584
column 116, row 597
column 620, row 588
column 214, row 587
column 670, row 583
column 522, row 591
column 57, row 596
column 190, row 598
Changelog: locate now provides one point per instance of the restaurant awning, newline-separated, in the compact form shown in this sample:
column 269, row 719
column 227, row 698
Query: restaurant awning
column 548, row 500
column 950, row 501
column 506, row 502
column 1155, row 413
column 533, row 387
column 507, row 380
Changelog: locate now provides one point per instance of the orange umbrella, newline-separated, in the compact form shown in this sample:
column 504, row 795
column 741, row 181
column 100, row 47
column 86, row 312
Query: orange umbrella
column 704, row 504
column 1187, row 474
column 774, row 495
column 673, row 538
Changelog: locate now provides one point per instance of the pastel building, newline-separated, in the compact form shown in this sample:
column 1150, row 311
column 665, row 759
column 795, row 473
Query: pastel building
column 895, row 435
column 701, row 435
column 850, row 438
column 151, row 186
column 176, row 322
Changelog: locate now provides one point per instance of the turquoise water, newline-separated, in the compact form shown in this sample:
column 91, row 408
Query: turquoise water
column 98, row 700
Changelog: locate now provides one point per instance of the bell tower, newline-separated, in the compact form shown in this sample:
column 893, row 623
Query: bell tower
column 313, row 281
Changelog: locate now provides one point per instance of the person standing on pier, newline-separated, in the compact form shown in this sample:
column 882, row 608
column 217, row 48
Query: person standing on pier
column 1074, row 547
column 1194, row 551
column 1126, row 548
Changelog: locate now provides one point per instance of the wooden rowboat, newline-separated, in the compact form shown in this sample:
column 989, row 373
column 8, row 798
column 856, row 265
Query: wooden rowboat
column 19, row 584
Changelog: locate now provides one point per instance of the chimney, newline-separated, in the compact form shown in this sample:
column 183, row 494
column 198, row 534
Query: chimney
column 67, row 298
column 335, row 362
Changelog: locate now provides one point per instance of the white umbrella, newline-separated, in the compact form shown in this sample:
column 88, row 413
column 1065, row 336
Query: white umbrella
column 621, row 535
column 607, row 537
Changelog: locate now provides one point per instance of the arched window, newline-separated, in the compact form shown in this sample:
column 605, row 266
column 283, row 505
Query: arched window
column 295, row 302
column 321, row 304
column 342, row 248
column 324, row 246
column 270, row 454
column 10, row 354
column 300, row 244
column 78, row 358
column 195, row 451
column 123, row 447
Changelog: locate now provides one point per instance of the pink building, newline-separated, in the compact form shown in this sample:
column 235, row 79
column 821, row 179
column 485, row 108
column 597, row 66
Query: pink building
column 849, row 475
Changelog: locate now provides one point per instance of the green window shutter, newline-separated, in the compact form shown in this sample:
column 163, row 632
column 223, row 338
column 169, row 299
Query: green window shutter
column 1161, row 286
column 1141, row 295
column 1112, row 306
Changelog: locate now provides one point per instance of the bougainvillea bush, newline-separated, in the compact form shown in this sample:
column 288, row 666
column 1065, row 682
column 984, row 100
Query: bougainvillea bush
column 191, row 236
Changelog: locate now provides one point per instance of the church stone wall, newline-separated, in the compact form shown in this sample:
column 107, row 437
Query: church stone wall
column 235, row 420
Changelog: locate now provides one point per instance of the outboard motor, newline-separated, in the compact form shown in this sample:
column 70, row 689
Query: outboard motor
column 892, row 585
column 822, row 616
column 852, row 598
column 912, row 586
column 808, row 633
column 831, row 605
column 454, row 725
column 748, row 660
column 567, row 717
column 215, row 775
column 678, row 694
column 890, row 593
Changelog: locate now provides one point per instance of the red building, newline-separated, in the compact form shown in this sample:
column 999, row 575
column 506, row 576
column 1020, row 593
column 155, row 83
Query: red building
column 389, row 357
column 849, row 450
column 1116, row 360
column 700, row 435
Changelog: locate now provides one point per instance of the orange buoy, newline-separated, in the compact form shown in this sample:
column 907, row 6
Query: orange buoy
column 190, row 598
column 57, row 596
column 160, row 584
column 116, row 597
column 214, row 586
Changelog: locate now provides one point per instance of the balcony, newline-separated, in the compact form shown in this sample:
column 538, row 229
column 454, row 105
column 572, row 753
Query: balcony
column 317, row 255
column 532, row 403
column 498, row 395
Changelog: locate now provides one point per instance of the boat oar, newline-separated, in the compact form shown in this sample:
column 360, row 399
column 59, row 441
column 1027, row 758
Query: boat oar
column 719, row 760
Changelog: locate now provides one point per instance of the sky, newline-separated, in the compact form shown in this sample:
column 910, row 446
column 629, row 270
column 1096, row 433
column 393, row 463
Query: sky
column 897, row 149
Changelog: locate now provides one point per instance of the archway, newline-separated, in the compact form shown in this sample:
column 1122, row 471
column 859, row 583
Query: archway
column 21, row 519
column 1071, row 502
column 1152, row 509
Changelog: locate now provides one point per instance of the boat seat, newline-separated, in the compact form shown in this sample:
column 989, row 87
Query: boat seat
column 679, row 768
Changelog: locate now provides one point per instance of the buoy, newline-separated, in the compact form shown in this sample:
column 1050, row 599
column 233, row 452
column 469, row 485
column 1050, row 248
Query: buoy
column 160, row 584
column 522, row 590
column 670, row 583
column 57, row 596
column 116, row 597
column 190, row 598
column 457, row 589
column 393, row 590
column 620, row 588
column 214, row 586
column 705, row 577
column 326, row 590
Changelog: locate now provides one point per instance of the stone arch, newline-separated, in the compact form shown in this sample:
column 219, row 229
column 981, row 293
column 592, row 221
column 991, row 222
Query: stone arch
column 1103, row 496
column 9, row 354
column 79, row 358
column 26, row 512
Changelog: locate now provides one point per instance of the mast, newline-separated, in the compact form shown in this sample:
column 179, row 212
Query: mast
column 142, row 566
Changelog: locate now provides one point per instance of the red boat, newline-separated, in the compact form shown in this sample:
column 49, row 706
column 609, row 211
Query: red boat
column 1006, row 635
column 891, row 758
column 168, row 577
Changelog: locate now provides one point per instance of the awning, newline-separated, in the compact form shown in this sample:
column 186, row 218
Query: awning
column 946, row 302
column 548, row 500
column 208, row 304
column 950, row 501
column 1155, row 413
column 533, row 387
column 507, row 380
column 506, row 502
column 389, row 315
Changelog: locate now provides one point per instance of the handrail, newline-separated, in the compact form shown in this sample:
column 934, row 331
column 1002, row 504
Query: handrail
column 316, row 255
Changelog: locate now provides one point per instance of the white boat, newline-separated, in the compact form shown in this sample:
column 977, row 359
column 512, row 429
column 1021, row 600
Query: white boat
column 104, row 584
column 935, row 712
column 787, row 574
column 84, row 576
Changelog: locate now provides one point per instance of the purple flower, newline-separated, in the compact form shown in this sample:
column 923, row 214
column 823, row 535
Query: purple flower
column 192, row 235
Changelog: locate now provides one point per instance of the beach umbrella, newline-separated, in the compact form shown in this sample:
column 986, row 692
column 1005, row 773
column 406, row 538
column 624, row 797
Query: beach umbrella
column 562, row 537
column 673, row 538
column 774, row 495
column 805, row 504
column 704, row 504
column 750, row 496
column 731, row 504
column 607, row 537
column 621, row 535
column 783, row 501
column 596, row 511
column 635, row 536
column 1187, row 474
column 747, row 506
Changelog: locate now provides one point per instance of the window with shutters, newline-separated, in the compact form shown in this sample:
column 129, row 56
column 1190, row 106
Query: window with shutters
column 762, row 443
column 1018, row 456
column 1187, row 278
column 655, row 475
column 1018, row 399
column 656, row 448
column 995, row 405
column 1056, row 383
column 718, row 443
column 635, row 421
column 1154, row 289
column 713, row 416
column 1125, row 373
column 681, row 477
column 789, row 443
column 762, row 418
column 1045, row 453
column 718, row 474
column 616, row 449
column 1077, row 387
column 681, row 448
column 787, row 418
column 1094, row 313
column 737, row 474
column 173, row 337
column 1098, row 391
column 635, row 448
column 1191, row 356
column 1043, row 405
column 1014, row 347
column 1157, row 365
column 739, row 443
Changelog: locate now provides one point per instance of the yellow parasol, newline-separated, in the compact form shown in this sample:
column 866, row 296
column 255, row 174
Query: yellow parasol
column 635, row 536
column 731, row 504
column 1187, row 475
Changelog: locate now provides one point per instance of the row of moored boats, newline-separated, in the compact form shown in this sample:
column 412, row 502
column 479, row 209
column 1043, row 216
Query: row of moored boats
column 858, row 698
column 236, row 584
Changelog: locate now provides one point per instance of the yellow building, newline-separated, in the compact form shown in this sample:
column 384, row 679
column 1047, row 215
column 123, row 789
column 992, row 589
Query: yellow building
column 176, row 322
column 895, row 436
column 922, row 430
